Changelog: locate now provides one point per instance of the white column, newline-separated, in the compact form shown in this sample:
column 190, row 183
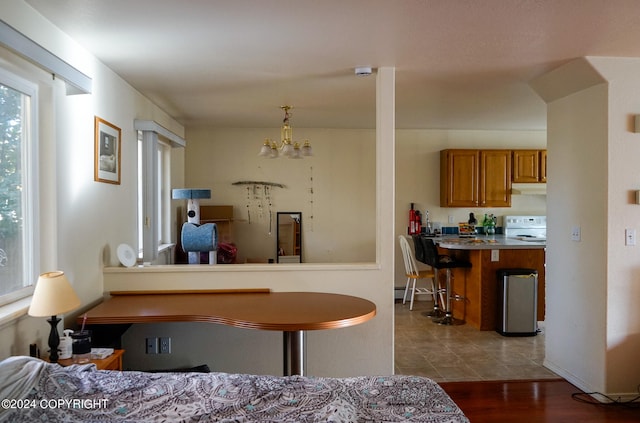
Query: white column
column 385, row 163
column 149, row 195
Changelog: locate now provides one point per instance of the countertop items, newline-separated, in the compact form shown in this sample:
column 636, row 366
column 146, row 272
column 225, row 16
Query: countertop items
column 111, row 362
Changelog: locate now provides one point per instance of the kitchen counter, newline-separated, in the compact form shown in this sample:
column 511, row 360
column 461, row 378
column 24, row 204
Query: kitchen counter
column 490, row 242
column 479, row 284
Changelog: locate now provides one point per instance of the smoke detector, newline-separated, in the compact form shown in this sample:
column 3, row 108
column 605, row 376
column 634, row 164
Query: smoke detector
column 363, row 71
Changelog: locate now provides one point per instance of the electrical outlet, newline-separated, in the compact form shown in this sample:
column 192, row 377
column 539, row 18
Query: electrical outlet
column 630, row 237
column 152, row 345
column 450, row 220
column 495, row 255
column 576, row 233
column 165, row 345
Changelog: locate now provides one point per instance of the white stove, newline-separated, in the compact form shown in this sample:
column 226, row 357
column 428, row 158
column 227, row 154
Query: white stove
column 526, row 228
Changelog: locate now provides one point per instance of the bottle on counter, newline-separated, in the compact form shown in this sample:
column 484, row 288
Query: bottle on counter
column 427, row 223
column 66, row 344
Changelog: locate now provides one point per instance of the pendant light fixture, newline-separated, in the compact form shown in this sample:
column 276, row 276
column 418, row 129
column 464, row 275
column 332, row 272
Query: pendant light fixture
column 287, row 147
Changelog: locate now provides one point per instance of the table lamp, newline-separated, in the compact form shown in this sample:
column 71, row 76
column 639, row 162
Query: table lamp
column 53, row 295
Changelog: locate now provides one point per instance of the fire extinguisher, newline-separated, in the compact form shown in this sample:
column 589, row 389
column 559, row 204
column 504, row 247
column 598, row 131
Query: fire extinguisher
column 412, row 221
column 412, row 218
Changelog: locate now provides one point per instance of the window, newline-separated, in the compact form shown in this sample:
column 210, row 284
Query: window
column 18, row 187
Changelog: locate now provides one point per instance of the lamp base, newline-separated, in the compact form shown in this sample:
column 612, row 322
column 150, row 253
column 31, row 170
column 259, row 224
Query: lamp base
column 54, row 339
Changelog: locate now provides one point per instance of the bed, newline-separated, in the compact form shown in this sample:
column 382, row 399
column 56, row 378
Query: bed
column 33, row 390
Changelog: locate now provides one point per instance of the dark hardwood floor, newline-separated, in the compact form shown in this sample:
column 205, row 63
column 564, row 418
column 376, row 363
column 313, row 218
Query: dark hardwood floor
column 543, row 401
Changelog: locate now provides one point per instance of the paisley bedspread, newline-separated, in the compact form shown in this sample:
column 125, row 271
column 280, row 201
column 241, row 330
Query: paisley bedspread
column 80, row 393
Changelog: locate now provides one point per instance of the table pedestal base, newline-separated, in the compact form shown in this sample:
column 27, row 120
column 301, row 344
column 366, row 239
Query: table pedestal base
column 294, row 353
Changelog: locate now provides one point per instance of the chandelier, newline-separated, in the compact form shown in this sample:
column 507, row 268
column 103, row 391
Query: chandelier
column 287, row 147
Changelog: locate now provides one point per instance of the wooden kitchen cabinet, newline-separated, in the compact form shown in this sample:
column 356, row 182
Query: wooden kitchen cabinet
column 529, row 166
column 475, row 178
column 459, row 178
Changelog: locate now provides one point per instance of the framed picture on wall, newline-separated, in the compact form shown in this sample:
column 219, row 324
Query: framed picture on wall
column 107, row 152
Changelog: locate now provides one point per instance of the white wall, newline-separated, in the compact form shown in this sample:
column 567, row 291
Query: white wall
column 334, row 189
column 593, row 322
column 84, row 220
column 576, row 271
column 623, row 268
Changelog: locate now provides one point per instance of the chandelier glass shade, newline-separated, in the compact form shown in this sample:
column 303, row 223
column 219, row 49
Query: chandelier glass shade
column 286, row 147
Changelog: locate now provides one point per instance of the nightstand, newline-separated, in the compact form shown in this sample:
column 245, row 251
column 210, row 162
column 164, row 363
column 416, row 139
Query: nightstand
column 113, row 362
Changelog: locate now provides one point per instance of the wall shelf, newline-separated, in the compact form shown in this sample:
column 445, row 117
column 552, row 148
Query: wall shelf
column 271, row 184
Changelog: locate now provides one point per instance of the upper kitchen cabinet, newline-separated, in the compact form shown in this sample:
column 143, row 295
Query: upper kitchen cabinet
column 529, row 166
column 475, row 178
column 543, row 165
column 459, row 178
column 495, row 178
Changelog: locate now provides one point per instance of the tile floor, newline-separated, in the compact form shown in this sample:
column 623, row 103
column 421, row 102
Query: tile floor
column 462, row 353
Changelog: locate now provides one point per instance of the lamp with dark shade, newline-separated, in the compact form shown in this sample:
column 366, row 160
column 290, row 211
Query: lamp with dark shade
column 53, row 295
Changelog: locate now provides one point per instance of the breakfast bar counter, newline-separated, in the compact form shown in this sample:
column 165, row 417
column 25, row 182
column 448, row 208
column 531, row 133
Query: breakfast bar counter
column 490, row 242
column 479, row 284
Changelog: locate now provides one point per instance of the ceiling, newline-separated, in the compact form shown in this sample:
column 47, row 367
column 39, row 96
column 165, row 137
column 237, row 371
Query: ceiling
column 460, row 64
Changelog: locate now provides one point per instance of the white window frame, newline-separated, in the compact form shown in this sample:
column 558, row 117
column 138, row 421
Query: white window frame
column 164, row 194
column 154, row 195
column 30, row 195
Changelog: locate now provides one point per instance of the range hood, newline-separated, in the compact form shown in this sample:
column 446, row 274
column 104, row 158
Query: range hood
column 529, row 189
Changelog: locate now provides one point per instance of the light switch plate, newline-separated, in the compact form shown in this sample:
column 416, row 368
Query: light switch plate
column 576, row 233
column 630, row 237
column 152, row 345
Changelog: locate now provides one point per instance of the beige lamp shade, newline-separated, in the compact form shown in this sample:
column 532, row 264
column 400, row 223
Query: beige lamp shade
column 53, row 295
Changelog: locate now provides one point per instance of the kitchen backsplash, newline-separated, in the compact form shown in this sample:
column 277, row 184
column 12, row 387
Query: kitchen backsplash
column 453, row 230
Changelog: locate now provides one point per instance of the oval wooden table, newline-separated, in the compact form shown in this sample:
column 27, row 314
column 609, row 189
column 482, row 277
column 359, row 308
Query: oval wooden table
column 293, row 313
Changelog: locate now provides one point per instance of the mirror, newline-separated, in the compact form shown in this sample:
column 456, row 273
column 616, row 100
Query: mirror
column 289, row 237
